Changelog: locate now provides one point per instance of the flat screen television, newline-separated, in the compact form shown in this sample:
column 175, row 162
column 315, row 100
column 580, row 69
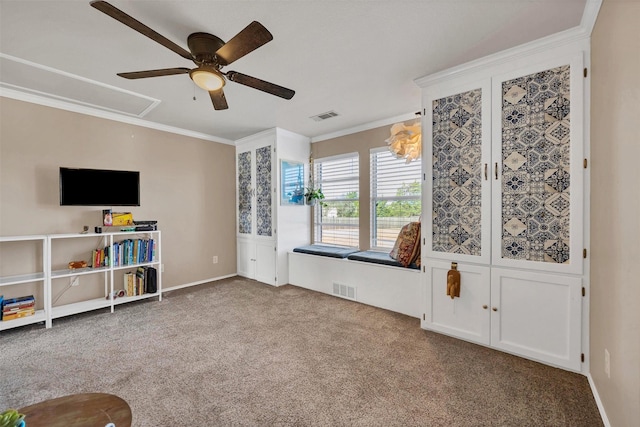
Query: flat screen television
column 99, row 187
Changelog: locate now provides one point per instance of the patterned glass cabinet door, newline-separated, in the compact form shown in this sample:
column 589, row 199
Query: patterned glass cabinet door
column 537, row 161
column 255, row 195
column 245, row 193
column 458, row 124
column 264, row 195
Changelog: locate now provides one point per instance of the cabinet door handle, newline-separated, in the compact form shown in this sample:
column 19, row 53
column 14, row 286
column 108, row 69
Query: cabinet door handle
column 494, row 308
column 485, row 172
column 496, row 170
column 485, row 306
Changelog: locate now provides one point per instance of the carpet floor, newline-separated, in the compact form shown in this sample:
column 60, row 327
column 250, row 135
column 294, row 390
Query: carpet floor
column 239, row 353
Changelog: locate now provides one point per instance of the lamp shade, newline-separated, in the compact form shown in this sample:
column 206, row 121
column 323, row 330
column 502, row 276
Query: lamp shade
column 405, row 141
column 207, row 78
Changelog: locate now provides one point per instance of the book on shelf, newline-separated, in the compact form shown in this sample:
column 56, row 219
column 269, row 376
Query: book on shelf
column 17, row 300
column 140, row 280
column 136, row 243
column 128, row 284
column 18, row 314
column 18, row 306
column 100, row 258
column 15, row 308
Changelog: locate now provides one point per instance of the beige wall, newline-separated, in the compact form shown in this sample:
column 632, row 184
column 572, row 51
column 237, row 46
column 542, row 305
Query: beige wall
column 615, row 209
column 187, row 184
column 362, row 143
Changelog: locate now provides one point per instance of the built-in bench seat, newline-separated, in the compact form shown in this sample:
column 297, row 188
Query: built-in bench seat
column 377, row 257
column 326, row 250
column 376, row 278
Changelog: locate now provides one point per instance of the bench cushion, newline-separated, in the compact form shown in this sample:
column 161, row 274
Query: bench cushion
column 377, row 257
column 325, row 250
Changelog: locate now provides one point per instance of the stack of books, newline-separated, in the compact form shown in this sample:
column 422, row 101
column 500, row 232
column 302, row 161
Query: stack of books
column 133, row 251
column 141, row 282
column 15, row 308
column 127, row 252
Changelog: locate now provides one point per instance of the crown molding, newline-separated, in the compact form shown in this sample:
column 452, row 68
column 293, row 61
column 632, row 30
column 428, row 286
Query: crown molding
column 364, row 127
column 591, row 10
column 68, row 106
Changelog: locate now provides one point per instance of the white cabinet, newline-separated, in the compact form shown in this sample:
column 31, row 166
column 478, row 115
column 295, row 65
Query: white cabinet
column 255, row 183
column 466, row 317
column 537, row 315
column 266, row 229
column 505, row 188
column 532, row 314
column 24, row 271
column 246, row 257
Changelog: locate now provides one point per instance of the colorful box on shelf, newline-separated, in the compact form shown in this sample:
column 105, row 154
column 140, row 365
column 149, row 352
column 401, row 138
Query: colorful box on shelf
column 122, row 218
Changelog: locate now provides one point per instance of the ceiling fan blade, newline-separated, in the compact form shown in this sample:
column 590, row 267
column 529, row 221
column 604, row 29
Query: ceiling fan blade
column 127, row 20
column 252, row 37
column 218, row 99
column 154, row 73
column 255, row 83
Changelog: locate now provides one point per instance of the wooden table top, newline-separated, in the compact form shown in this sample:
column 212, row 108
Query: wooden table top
column 86, row 410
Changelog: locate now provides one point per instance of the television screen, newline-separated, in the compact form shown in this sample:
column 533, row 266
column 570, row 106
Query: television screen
column 98, row 187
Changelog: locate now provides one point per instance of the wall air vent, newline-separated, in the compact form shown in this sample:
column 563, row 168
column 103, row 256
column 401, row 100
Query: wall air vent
column 324, row 116
column 344, row 291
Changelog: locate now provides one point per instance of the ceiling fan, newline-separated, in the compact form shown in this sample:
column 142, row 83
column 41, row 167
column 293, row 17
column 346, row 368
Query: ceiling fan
column 209, row 53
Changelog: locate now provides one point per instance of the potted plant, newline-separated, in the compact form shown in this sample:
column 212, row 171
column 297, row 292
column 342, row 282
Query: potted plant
column 11, row 418
column 312, row 195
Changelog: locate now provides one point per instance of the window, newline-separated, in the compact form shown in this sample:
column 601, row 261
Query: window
column 395, row 196
column 336, row 219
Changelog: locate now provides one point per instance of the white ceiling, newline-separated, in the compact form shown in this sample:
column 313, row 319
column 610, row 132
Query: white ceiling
column 356, row 57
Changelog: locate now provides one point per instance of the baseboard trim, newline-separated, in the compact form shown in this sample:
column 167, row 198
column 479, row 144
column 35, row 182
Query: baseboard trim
column 199, row 282
column 596, row 396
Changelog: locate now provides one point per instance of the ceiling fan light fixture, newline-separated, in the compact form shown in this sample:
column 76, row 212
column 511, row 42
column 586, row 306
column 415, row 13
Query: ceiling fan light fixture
column 207, row 78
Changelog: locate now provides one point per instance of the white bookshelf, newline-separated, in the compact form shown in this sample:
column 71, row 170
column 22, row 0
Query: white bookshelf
column 113, row 274
column 57, row 252
column 26, row 247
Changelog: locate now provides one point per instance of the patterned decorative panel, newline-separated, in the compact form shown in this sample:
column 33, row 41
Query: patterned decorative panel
column 457, row 174
column 263, row 191
column 244, row 193
column 535, row 162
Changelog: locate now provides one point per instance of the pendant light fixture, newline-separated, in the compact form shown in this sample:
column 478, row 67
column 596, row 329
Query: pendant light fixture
column 405, row 141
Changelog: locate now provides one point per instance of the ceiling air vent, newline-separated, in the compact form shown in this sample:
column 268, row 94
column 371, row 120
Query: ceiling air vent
column 324, row 116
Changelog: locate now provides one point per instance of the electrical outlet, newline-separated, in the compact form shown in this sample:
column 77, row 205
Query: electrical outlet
column 74, row 281
column 215, row 259
column 607, row 363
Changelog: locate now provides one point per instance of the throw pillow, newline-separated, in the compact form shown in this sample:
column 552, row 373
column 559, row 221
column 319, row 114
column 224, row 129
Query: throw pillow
column 407, row 246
